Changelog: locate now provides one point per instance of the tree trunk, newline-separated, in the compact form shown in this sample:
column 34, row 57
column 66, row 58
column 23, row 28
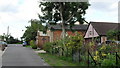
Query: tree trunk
column 63, row 23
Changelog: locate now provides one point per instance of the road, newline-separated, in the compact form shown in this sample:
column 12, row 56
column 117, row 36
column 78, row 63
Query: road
column 16, row 55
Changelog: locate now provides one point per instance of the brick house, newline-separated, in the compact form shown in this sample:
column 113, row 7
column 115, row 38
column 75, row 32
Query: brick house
column 41, row 39
column 99, row 30
column 54, row 31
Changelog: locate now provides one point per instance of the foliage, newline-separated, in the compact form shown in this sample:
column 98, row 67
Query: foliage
column 66, row 12
column 12, row 40
column 2, row 37
column 75, row 42
column 113, row 34
column 31, row 31
column 59, row 61
column 103, row 55
column 28, row 46
column 48, row 47
column 70, row 43
column 32, row 43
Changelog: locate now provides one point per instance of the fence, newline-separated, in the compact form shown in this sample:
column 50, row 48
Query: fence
column 117, row 58
column 76, row 55
column 90, row 56
column 99, row 64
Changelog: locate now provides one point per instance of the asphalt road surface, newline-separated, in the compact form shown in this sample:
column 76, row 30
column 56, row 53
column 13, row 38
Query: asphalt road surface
column 16, row 55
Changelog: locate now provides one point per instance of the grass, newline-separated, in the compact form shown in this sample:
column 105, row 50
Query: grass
column 55, row 60
column 27, row 46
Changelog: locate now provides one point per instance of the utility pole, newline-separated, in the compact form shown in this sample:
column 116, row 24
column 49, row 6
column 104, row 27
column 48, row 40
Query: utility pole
column 7, row 34
column 7, row 31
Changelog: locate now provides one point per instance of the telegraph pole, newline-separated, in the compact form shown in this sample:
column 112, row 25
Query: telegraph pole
column 7, row 31
column 7, row 34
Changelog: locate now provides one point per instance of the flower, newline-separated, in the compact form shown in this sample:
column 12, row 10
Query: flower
column 96, row 52
column 103, row 54
column 96, row 58
column 103, row 47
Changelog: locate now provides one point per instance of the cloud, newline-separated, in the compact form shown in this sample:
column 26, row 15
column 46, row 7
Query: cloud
column 16, row 14
column 101, row 10
column 105, row 1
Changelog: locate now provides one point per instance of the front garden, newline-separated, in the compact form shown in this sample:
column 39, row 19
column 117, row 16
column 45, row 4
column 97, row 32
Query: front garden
column 90, row 54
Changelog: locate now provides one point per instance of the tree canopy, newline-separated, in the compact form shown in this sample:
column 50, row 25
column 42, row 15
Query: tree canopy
column 64, row 12
column 31, row 31
column 113, row 35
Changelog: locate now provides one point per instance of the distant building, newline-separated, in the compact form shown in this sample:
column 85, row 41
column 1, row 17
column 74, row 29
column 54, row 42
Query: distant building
column 99, row 30
column 41, row 39
column 54, row 31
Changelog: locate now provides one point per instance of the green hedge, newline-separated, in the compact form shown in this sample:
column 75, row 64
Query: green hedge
column 33, row 45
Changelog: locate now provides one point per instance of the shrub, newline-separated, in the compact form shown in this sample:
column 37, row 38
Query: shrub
column 32, row 43
column 109, row 60
column 47, row 47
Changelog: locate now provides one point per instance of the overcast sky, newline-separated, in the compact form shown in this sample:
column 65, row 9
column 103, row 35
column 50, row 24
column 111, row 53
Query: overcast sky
column 17, row 13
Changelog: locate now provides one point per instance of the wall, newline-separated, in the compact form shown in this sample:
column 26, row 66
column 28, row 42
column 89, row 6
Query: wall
column 42, row 40
column 91, row 32
column 103, row 39
column 57, row 34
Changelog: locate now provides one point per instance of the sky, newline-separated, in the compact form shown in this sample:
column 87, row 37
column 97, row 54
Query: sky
column 17, row 13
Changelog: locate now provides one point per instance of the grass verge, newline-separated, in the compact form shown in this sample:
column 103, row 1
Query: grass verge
column 27, row 46
column 55, row 60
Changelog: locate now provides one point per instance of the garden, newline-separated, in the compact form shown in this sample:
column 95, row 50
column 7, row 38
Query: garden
column 76, row 50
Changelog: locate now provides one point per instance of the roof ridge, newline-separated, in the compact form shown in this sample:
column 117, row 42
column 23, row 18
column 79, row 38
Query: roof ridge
column 104, row 22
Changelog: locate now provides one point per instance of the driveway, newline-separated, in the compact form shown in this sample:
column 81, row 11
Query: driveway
column 16, row 55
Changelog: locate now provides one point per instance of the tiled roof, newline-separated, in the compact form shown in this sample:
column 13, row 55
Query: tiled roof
column 75, row 27
column 103, row 27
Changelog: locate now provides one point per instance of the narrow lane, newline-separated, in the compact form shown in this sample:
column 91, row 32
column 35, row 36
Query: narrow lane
column 16, row 55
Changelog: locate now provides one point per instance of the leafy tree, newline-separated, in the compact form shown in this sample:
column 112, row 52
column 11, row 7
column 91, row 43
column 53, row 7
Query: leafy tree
column 2, row 37
column 113, row 34
column 64, row 12
column 12, row 40
column 31, row 31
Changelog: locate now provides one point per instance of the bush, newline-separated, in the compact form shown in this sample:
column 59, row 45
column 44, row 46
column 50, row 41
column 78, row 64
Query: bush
column 47, row 47
column 32, row 43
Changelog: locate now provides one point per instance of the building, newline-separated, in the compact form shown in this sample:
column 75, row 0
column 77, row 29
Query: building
column 54, row 31
column 99, row 30
column 41, row 39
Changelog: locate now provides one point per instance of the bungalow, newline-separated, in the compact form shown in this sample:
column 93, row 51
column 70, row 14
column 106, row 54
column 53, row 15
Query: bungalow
column 54, row 31
column 99, row 30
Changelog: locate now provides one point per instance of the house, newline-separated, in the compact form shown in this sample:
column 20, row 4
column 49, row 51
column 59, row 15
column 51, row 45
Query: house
column 54, row 31
column 41, row 39
column 99, row 30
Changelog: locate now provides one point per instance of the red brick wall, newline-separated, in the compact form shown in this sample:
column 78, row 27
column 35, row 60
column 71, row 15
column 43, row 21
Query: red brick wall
column 57, row 34
column 41, row 42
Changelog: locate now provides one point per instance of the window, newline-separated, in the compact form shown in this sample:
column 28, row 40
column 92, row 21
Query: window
column 90, row 32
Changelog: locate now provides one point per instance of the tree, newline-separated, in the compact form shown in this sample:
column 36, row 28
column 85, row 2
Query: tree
column 65, row 12
column 113, row 35
column 12, row 40
column 31, row 31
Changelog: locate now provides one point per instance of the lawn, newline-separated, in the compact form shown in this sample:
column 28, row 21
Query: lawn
column 55, row 60
column 27, row 46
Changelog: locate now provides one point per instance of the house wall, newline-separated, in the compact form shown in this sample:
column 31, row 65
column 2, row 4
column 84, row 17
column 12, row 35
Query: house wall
column 57, row 34
column 91, row 32
column 50, row 34
column 103, row 39
column 42, row 40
